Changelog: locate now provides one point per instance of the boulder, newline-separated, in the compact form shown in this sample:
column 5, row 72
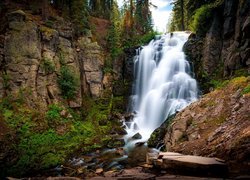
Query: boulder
column 137, row 136
column 187, row 164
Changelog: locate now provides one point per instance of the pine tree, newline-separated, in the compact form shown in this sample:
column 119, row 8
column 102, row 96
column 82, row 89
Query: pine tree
column 79, row 14
column 115, row 31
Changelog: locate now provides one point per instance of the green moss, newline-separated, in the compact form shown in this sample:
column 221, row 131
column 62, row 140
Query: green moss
column 218, row 84
column 241, row 72
column 40, row 143
column 48, row 32
column 201, row 20
column 246, row 90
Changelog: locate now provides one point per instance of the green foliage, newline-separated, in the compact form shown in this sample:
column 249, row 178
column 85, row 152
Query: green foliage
column 201, row 20
column 49, row 23
column 68, row 83
column 48, row 66
column 246, row 90
column 39, row 145
column 218, row 83
column 53, row 112
column 193, row 15
column 80, row 15
column 6, row 79
column 241, row 72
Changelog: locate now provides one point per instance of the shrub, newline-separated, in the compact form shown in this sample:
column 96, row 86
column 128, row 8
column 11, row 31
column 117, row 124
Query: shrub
column 48, row 66
column 68, row 83
column 246, row 90
column 201, row 20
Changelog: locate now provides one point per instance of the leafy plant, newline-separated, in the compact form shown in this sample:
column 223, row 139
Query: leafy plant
column 201, row 20
column 48, row 66
column 68, row 83
column 54, row 112
column 246, row 90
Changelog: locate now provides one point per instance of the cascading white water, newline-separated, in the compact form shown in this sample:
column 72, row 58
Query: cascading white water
column 162, row 84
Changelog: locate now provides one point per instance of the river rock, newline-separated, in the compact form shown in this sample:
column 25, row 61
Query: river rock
column 137, row 136
column 129, row 116
column 196, row 165
column 140, row 143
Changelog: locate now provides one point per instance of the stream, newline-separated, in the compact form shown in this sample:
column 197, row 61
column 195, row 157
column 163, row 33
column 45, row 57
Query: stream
column 162, row 86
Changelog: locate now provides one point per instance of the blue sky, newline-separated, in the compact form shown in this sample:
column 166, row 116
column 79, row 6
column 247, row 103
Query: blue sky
column 160, row 14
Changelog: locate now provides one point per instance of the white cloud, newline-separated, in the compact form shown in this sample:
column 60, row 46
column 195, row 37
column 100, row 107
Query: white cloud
column 160, row 14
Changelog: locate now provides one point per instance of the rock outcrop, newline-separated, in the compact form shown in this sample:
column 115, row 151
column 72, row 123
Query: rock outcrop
column 32, row 54
column 224, row 51
column 215, row 126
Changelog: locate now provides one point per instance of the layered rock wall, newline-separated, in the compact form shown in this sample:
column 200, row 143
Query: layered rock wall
column 32, row 54
column 226, row 47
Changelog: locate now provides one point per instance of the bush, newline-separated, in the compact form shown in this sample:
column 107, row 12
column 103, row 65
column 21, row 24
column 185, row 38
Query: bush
column 246, row 90
column 68, row 83
column 48, row 66
column 201, row 20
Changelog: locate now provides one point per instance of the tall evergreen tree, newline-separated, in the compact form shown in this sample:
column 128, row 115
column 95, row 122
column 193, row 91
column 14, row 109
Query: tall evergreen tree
column 115, row 31
column 79, row 14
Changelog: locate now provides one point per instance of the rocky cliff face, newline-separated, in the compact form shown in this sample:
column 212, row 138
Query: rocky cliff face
column 217, row 126
column 32, row 54
column 225, row 50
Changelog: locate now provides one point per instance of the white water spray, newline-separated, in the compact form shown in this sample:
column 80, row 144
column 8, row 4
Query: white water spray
column 162, row 84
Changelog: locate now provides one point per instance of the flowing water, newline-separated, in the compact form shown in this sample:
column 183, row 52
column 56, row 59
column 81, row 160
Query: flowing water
column 162, row 85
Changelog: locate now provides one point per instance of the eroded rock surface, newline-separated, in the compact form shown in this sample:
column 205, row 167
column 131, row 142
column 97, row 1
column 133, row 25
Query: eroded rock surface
column 215, row 126
column 32, row 54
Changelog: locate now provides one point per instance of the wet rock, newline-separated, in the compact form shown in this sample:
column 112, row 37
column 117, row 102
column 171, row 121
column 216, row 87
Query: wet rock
column 157, row 137
column 129, row 116
column 137, row 136
column 140, row 143
column 120, row 151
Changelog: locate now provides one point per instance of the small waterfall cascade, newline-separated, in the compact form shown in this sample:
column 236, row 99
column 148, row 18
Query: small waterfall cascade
column 162, row 84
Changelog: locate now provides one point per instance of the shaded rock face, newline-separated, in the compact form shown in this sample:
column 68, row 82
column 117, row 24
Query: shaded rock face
column 225, row 48
column 123, row 68
column 216, row 126
column 31, row 56
column 92, row 64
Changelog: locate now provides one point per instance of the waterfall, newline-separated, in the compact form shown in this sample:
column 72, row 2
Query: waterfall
column 162, row 84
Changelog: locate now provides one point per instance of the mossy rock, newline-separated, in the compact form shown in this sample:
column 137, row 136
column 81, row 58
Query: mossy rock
column 157, row 137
